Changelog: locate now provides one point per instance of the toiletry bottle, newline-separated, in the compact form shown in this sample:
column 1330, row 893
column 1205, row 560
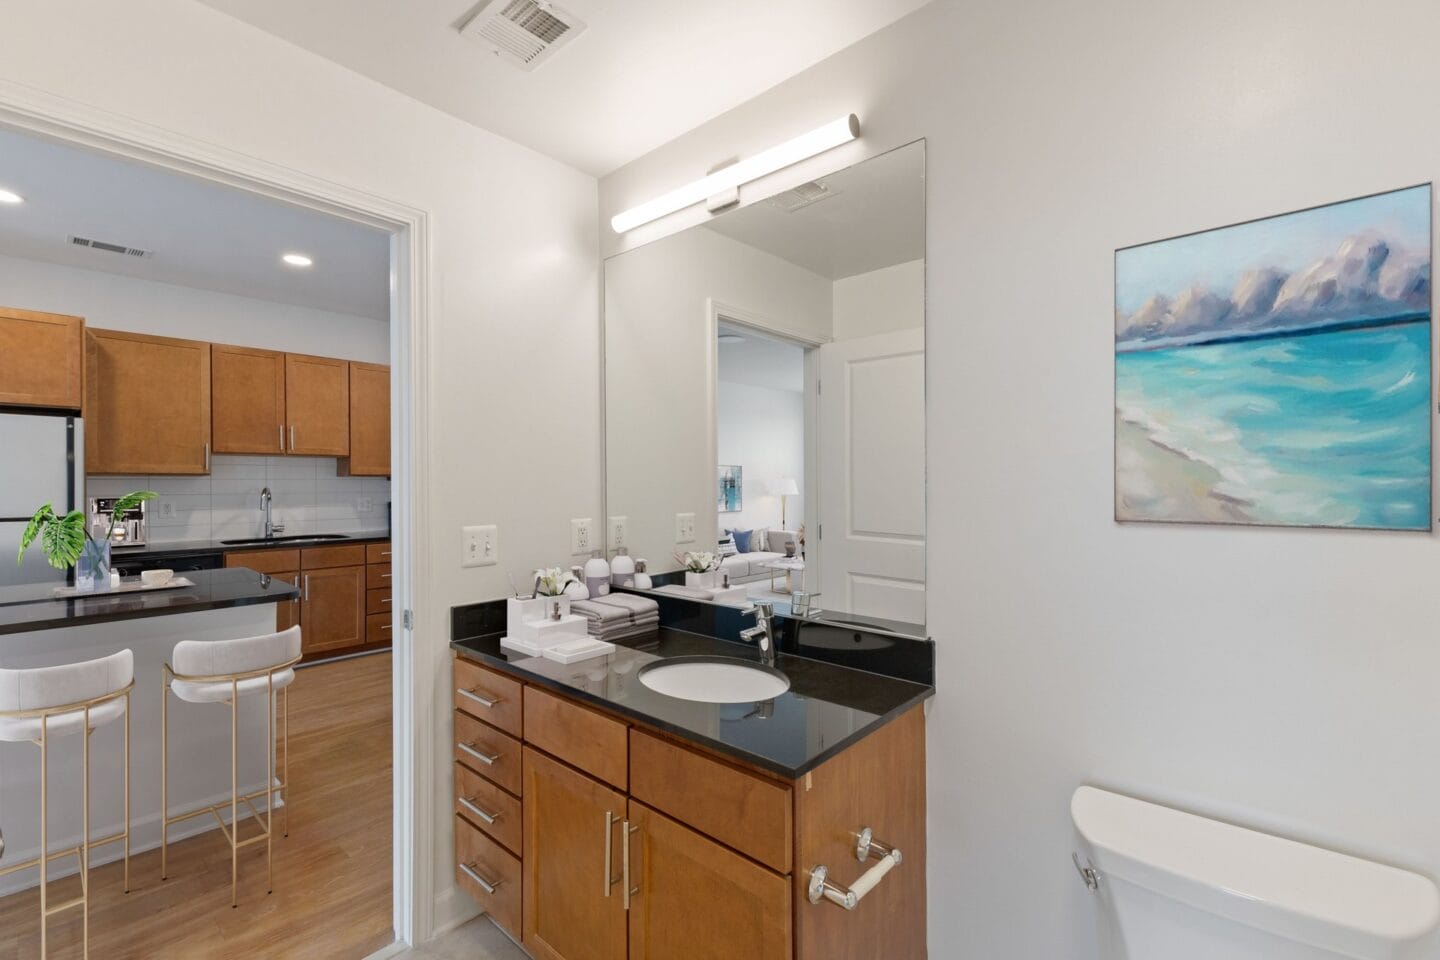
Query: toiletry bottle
column 642, row 579
column 725, row 580
column 576, row 589
column 622, row 570
column 597, row 575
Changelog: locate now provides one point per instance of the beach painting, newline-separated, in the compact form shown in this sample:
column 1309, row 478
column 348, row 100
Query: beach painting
column 1277, row 372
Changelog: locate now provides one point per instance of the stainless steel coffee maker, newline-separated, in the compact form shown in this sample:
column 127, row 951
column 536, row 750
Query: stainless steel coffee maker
column 129, row 526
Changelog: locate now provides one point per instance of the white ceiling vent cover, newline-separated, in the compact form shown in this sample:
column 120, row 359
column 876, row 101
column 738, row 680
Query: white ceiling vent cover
column 107, row 247
column 802, row 196
column 526, row 32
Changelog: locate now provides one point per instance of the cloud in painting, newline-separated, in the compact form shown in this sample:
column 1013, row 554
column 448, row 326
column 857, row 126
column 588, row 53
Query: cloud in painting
column 1367, row 278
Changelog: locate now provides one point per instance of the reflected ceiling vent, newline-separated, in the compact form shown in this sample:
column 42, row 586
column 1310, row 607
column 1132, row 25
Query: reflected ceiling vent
column 525, row 32
column 802, row 196
column 107, row 247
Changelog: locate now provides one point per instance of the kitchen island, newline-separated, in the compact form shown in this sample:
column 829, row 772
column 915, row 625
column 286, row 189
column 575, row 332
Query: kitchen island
column 37, row 629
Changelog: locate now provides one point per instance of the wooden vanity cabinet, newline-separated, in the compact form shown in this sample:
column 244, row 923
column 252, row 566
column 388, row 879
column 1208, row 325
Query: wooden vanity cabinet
column 317, row 405
column 369, row 421
column 147, row 404
column 40, row 359
column 247, row 397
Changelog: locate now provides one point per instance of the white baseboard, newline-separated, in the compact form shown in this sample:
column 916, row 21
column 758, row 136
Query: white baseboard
column 452, row 909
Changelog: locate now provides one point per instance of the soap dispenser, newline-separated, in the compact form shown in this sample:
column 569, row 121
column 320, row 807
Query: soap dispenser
column 622, row 570
column 642, row 579
column 576, row 589
column 597, row 575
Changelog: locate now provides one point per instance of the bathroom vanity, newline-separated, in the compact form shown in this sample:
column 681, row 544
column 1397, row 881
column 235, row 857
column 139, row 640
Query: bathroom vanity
column 597, row 818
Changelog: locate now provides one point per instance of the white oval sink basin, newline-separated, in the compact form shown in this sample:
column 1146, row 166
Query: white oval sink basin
column 714, row 680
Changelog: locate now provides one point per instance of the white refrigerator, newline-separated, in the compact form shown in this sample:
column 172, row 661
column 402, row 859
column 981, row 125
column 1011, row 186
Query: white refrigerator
column 42, row 460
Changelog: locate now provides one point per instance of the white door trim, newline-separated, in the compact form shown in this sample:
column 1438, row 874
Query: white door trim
column 28, row 109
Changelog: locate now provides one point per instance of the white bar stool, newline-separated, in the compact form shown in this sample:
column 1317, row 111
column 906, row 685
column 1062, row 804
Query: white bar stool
column 46, row 702
column 223, row 671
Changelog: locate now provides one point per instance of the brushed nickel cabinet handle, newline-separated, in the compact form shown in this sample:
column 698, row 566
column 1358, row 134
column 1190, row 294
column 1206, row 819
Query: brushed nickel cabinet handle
column 485, row 702
column 609, row 851
column 487, row 817
column 386, row 600
column 292, row 438
column 489, row 761
column 207, row 458
column 626, row 830
column 281, row 428
column 307, row 588
column 384, row 576
column 485, row 885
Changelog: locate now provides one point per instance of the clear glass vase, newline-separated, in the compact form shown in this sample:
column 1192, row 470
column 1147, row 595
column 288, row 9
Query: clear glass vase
column 92, row 569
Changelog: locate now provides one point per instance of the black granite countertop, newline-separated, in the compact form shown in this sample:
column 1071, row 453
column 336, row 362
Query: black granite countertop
column 32, row 607
column 184, row 548
column 827, row 708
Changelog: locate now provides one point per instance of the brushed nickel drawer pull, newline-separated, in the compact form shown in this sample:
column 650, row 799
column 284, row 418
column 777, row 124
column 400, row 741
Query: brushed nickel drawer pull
column 487, row 817
column 609, row 855
column 488, row 761
column 385, row 553
column 627, row 828
column 866, row 848
column 386, row 600
column 485, row 885
column 485, row 702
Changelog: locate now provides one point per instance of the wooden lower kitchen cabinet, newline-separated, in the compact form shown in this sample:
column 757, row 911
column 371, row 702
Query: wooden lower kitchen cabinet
column 332, row 614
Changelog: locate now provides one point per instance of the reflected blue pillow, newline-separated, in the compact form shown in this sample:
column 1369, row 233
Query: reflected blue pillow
column 742, row 540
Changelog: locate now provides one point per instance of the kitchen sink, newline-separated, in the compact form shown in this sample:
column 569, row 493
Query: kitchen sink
column 714, row 679
column 297, row 538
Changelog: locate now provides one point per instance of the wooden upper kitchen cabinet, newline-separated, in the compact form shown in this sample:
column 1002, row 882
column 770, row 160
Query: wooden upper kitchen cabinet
column 146, row 404
column 40, row 359
column 317, row 405
column 369, row 421
column 247, row 399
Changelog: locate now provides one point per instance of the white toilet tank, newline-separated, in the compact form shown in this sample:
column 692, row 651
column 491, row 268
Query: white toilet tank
column 1181, row 887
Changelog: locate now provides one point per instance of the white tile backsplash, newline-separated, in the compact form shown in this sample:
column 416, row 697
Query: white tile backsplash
column 307, row 497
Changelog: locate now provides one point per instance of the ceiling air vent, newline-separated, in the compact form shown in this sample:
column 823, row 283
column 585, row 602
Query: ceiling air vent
column 802, row 196
column 111, row 247
column 526, row 32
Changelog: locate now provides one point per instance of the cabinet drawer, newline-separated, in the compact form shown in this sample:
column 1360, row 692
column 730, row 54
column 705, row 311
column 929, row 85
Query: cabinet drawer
column 742, row 810
column 488, row 873
column 477, row 799
column 488, row 752
column 582, row 738
column 488, row 695
column 379, row 628
column 377, row 552
column 318, row 558
column 377, row 575
column 377, row 601
column 265, row 561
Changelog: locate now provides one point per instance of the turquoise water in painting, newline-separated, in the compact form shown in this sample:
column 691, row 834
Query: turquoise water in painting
column 1328, row 428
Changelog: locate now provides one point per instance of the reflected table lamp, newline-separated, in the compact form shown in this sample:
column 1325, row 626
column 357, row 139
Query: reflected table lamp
column 782, row 488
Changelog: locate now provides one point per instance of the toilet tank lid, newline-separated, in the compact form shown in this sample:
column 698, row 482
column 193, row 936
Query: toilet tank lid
column 1303, row 893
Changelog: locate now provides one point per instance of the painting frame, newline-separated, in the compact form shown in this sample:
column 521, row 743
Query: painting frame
column 731, row 483
column 1422, row 479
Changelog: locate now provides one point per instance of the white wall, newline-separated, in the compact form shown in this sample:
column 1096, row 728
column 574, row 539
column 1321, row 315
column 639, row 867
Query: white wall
column 762, row 430
column 513, row 273
column 1285, row 678
column 881, row 301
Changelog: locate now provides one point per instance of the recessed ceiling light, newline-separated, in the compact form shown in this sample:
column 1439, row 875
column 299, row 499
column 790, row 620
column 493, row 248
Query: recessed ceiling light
column 7, row 197
column 297, row 260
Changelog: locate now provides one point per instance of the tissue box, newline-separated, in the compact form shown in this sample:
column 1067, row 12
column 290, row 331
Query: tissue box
column 521, row 615
column 705, row 581
column 732, row 596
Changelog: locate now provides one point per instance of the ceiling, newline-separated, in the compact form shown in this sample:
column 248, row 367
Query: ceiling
column 641, row 74
column 874, row 217
column 760, row 361
column 203, row 235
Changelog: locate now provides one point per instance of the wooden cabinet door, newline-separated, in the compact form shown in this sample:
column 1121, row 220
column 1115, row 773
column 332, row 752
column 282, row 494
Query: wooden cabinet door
column 572, row 910
column 147, row 404
column 332, row 608
column 287, row 612
column 369, row 421
column 40, row 359
column 317, row 405
column 697, row 899
column 247, row 400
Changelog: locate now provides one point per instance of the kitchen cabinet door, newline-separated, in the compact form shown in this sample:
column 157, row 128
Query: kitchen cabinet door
column 572, row 909
column 317, row 406
column 147, row 404
column 696, row 899
column 287, row 612
column 40, row 359
column 332, row 609
column 247, row 400
column 369, row 421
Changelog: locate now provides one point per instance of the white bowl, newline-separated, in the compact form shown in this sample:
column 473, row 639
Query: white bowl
column 156, row 578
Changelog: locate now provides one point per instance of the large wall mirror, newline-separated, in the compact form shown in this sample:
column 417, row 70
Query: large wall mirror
column 765, row 398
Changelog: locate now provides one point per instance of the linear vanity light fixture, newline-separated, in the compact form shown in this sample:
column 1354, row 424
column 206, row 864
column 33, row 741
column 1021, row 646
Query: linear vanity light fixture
column 807, row 145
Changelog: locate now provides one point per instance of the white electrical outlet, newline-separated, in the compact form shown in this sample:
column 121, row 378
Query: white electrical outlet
column 684, row 528
column 167, row 509
column 617, row 532
column 364, row 505
column 479, row 546
column 580, row 537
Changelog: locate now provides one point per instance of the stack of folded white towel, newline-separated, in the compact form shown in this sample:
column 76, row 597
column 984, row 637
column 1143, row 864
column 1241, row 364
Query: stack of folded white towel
column 618, row 616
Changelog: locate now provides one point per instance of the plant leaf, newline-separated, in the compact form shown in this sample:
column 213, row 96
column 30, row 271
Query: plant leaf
column 64, row 539
column 32, row 529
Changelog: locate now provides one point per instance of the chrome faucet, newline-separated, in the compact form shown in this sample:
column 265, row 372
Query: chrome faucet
column 271, row 528
column 763, row 631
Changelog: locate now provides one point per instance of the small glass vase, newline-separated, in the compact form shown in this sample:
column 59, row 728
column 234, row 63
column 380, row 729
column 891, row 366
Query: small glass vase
column 92, row 569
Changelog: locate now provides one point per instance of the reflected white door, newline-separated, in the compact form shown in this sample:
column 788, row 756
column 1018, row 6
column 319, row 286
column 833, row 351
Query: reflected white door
column 872, row 476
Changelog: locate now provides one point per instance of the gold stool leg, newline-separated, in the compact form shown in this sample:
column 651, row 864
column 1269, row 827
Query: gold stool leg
column 127, row 792
column 285, row 772
column 44, row 835
column 269, row 784
column 234, row 797
column 164, row 779
column 85, row 837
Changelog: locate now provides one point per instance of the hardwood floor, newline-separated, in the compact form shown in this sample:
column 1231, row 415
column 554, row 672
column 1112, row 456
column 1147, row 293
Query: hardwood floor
column 332, row 894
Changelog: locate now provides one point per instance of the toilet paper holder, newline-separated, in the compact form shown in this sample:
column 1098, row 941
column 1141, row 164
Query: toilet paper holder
column 866, row 848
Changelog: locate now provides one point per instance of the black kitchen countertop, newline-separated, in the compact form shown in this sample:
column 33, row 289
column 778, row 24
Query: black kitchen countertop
column 826, row 709
column 30, row 607
column 184, row 548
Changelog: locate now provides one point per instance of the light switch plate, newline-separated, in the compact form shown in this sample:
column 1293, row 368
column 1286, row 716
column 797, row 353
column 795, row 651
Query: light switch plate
column 480, row 546
column 617, row 532
column 684, row 528
column 580, row 539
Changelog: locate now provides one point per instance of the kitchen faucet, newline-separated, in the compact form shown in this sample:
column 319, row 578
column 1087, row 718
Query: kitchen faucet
column 271, row 528
column 763, row 631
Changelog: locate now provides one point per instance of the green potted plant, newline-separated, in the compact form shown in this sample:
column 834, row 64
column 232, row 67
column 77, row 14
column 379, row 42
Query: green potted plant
column 67, row 542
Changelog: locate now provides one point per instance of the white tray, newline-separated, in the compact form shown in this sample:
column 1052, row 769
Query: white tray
column 581, row 648
column 133, row 585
